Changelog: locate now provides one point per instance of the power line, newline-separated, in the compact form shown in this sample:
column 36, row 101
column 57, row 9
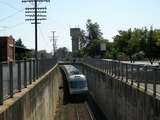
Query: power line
column 9, row 5
column 16, row 25
column 42, row 35
column 11, row 27
column 9, row 16
column 36, row 25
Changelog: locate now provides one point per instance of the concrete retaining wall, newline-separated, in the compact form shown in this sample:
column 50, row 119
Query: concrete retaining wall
column 119, row 100
column 36, row 102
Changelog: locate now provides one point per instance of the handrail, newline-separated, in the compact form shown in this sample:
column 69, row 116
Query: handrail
column 17, row 75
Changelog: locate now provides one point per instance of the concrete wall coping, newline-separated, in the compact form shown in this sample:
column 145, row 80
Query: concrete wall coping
column 141, row 88
column 11, row 101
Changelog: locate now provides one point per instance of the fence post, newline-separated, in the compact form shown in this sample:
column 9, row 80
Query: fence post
column 25, row 73
column 30, row 71
column 154, row 83
column 115, row 66
column 138, row 76
column 104, row 67
column 1, row 84
column 126, row 72
column 107, row 66
column 121, row 71
column 11, row 79
column 145, row 78
column 36, row 68
column 118, row 69
column 19, row 76
column 112, row 68
column 34, row 73
column 132, row 74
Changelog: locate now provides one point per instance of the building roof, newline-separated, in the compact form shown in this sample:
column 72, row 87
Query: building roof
column 22, row 49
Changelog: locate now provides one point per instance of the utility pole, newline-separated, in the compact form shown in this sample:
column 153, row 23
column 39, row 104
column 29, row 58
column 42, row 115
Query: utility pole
column 54, row 42
column 36, row 38
column 35, row 14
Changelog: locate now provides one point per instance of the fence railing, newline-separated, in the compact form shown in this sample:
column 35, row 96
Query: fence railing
column 14, row 76
column 140, row 75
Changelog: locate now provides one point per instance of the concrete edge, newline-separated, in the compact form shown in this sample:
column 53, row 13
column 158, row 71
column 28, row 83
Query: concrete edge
column 9, row 102
column 141, row 88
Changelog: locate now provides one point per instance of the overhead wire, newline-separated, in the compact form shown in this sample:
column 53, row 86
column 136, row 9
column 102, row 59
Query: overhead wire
column 42, row 35
column 11, row 27
column 9, row 5
column 11, row 15
column 16, row 25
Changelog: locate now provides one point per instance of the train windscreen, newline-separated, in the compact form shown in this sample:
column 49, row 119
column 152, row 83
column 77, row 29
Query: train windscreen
column 75, row 72
column 77, row 84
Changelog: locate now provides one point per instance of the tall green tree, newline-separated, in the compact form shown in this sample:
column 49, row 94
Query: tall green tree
column 93, row 31
column 152, row 48
column 90, row 40
column 122, row 43
column 83, row 39
column 128, row 43
column 138, row 41
column 62, row 52
column 19, row 43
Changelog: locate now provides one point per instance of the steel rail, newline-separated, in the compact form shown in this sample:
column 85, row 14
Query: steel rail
column 77, row 114
column 89, row 111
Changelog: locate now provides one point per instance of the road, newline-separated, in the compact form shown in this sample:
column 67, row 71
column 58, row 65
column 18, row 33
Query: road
column 137, row 62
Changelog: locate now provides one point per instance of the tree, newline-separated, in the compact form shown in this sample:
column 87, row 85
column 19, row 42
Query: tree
column 93, row 31
column 138, row 42
column 133, row 44
column 62, row 52
column 128, row 43
column 122, row 43
column 83, row 39
column 90, row 40
column 19, row 43
column 152, row 48
column 93, row 49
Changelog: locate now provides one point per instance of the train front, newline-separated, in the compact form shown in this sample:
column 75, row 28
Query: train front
column 78, row 84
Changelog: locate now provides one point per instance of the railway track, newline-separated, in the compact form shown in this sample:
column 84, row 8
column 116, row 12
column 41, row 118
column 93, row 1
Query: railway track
column 89, row 112
column 77, row 113
column 83, row 112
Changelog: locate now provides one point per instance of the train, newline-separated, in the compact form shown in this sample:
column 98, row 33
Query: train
column 77, row 82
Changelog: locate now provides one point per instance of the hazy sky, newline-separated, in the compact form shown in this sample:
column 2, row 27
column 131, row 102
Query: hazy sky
column 112, row 15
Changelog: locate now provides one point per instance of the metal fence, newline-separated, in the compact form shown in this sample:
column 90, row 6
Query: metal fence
column 15, row 76
column 140, row 75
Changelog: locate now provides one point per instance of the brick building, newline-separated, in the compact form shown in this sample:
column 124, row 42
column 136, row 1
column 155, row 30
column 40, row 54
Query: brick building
column 7, row 49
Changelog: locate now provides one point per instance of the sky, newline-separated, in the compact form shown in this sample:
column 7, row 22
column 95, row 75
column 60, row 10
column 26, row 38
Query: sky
column 111, row 15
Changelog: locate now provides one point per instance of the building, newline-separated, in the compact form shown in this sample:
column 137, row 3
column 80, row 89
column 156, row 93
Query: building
column 75, row 34
column 7, row 49
column 22, row 53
